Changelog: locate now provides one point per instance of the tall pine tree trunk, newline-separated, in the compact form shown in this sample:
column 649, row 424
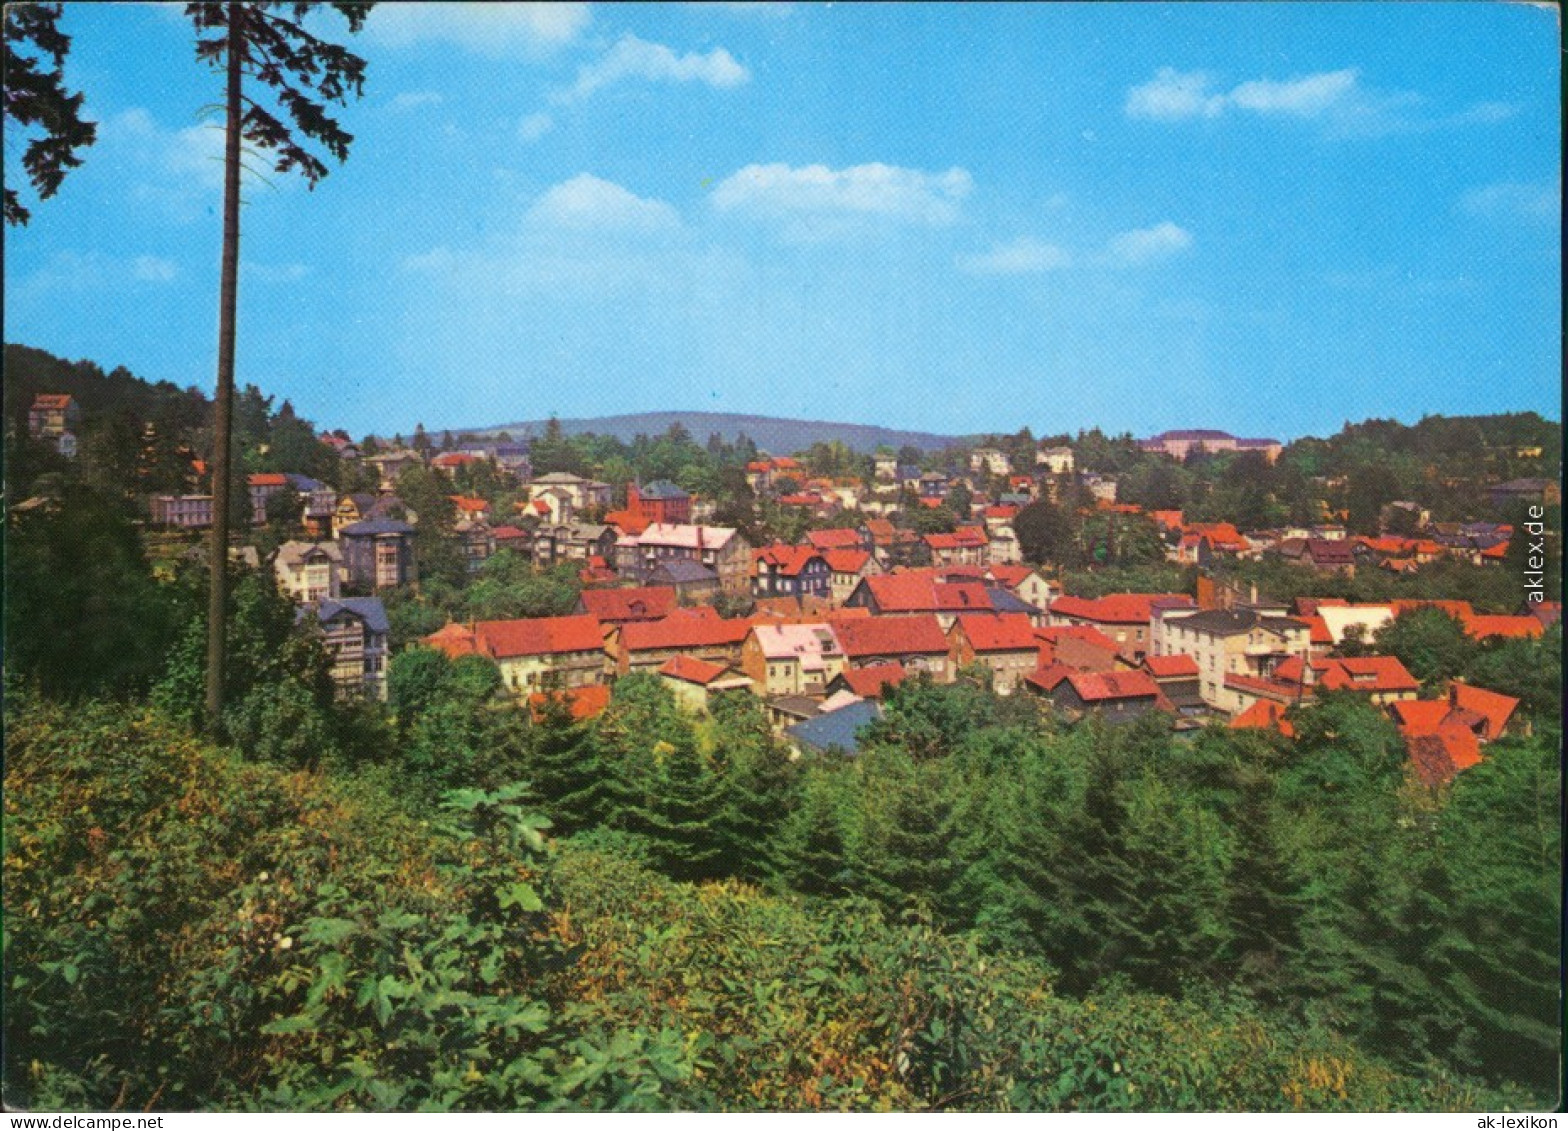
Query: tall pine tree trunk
column 217, row 607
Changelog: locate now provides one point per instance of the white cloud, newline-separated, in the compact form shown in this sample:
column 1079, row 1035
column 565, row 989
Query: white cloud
column 153, row 269
column 493, row 30
column 817, row 201
column 633, row 58
column 413, row 99
column 1304, row 97
column 587, row 203
column 1173, row 96
column 1023, row 256
column 535, row 126
column 1148, row 245
column 1538, row 201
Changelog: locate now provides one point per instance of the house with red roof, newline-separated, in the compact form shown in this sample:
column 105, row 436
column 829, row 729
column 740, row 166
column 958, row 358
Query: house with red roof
column 1079, row 647
column 917, row 643
column 782, row 570
column 695, row 682
column 841, row 538
column 847, row 569
column 1117, row 697
column 1004, row 643
column 1123, row 617
column 450, row 463
column 867, row 683
column 535, row 653
column 915, row 592
column 623, row 606
column 697, row 632
column 1382, row 678
column 967, row 545
column 470, row 508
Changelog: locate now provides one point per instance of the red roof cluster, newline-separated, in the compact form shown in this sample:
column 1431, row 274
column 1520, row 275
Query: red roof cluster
column 787, row 560
column 836, row 539
column 581, row 702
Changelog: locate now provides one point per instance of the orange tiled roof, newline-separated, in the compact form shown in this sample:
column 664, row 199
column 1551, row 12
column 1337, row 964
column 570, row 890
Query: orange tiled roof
column 1115, row 608
column 1171, row 667
column 1513, row 627
column 1008, row 632
column 691, row 670
column 1419, row 716
column 891, row 636
column 1492, row 706
column 1264, row 714
column 1438, row 756
column 539, row 636
column 836, row 539
column 1368, row 673
column 683, row 628
column 648, row 602
column 872, row 682
column 582, row 702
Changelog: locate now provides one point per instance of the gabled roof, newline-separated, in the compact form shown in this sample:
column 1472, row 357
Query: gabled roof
column 1008, row 574
column 1009, row 632
column 786, row 560
column 649, row 602
column 873, row 681
column 468, row 503
column 686, row 536
column 846, row 561
column 808, row 643
column 1495, row 708
column 1104, row 687
column 892, row 636
column 689, row 669
column 52, row 400
column 837, row 539
column 1171, row 667
column 267, row 479
column 1115, row 608
column 1437, row 757
column 1080, row 632
column 1368, row 673
column 683, row 571
column 292, row 554
column 684, row 628
column 1419, row 716
column 836, row 730
column 539, row 636
column 368, row 609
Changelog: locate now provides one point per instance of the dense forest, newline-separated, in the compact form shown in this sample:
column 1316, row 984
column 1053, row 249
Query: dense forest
column 451, row 902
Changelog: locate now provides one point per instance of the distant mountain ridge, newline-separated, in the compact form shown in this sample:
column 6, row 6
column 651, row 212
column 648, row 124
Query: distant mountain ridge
column 776, row 435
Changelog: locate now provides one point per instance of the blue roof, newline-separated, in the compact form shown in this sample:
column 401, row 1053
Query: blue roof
column 377, row 526
column 837, row 730
column 1006, row 601
column 303, row 482
column 663, row 489
column 368, row 609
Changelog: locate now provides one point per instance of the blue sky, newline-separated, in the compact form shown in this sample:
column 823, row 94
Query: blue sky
column 1268, row 218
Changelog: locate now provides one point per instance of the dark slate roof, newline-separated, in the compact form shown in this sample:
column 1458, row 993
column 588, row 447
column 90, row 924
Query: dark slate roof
column 1233, row 622
column 663, row 489
column 303, row 482
column 836, row 730
column 368, row 609
column 1006, row 601
column 376, row 526
column 685, row 571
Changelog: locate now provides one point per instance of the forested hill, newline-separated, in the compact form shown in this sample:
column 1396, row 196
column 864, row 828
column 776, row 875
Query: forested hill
column 777, row 435
column 30, row 371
